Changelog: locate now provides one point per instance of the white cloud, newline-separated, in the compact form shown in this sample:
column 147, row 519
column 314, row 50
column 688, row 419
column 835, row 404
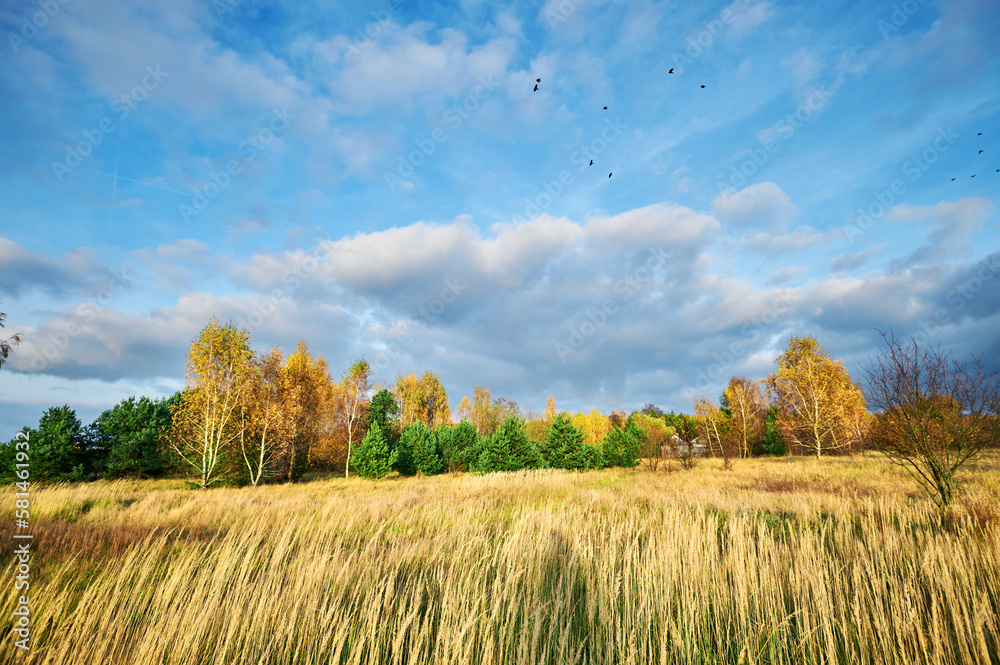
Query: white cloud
column 745, row 19
column 803, row 237
column 404, row 67
column 76, row 272
column 661, row 224
column 853, row 260
column 760, row 204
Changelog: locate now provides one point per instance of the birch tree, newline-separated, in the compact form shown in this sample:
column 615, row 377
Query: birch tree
column 260, row 431
column 747, row 405
column 205, row 423
column 354, row 388
column 818, row 404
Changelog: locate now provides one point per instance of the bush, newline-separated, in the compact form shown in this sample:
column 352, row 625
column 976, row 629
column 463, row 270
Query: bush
column 372, row 458
column 508, row 449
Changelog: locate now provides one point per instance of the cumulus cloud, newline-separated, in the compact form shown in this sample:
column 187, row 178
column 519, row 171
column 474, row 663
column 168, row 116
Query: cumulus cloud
column 662, row 224
column 74, row 273
column 949, row 226
column 762, row 204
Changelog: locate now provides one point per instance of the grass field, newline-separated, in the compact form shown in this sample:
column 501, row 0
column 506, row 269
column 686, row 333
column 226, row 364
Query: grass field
column 777, row 561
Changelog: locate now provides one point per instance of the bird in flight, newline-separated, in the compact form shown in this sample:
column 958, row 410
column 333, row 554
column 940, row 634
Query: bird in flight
column 536, row 88
column 671, row 71
column 953, row 180
column 980, row 152
column 606, row 108
column 609, row 175
column 973, row 175
column 702, row 86
column 591, row 162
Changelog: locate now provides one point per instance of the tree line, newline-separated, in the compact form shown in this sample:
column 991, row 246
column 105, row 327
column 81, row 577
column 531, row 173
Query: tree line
column 249, row 418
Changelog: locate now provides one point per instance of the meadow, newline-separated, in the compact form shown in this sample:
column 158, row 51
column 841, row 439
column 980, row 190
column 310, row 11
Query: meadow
column 789, row 560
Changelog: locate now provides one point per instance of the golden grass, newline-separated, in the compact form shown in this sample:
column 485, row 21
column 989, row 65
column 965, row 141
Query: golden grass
column 777, row 561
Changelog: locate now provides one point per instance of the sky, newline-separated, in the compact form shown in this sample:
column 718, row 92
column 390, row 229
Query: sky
column 382, row 180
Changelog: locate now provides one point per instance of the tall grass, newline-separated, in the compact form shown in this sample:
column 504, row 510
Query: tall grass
column 777, row 561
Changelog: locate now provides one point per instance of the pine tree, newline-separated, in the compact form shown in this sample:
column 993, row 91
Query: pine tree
column 420, row 442
column 372, row 457
column 563, row 440
column 509, row 449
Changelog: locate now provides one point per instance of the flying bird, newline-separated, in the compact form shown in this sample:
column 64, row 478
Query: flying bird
column 702, row 86
column 973, row 175
column 536, row 88
column 980, row 152
column 953, row 180
column 538, row 80
column 671, row 71
column 606, row 108
column 979, row 134
column 609, row 175
column 591, row 162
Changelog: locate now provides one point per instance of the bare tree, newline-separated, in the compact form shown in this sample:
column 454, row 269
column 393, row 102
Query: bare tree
column 933, row 413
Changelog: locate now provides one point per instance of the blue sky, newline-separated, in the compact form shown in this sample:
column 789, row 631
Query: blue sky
column 380, row 179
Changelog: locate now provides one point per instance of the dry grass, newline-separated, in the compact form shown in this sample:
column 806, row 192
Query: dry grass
column 777, row 561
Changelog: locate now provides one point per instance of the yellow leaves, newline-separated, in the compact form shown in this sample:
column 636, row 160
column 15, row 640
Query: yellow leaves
column 464, row 411
column 421, row 400
column 747, row 404
column 550, row 408
column 594, row 426
column 820, row 407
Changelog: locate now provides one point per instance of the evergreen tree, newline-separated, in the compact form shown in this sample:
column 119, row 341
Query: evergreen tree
column 421, row 446
column 58, row 450
column 562, row 441
column 773, row 442
column 509, row 449
column 623, row 446
column 585, row 458
column 459, row 445
column 129, row 435
column 372, row 457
